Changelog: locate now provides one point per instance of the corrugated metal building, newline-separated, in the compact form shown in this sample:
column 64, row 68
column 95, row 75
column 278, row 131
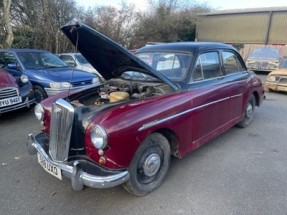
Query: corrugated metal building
column 248, row 26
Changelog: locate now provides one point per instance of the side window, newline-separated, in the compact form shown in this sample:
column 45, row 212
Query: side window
column 67, row 58
column 207, row 66
column 166, row 62
column 7, row 58
column 197, row 74
column 231, row 63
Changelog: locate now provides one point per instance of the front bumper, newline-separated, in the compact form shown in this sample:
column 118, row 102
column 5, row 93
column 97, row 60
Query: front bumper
column 81, row 172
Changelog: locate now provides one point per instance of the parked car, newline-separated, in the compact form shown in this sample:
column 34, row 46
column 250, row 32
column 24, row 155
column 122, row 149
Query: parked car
column 277, row 79
column 263, row 59
column 78, row 61
column 48, row 74
column 125, row 131
column 15, row 92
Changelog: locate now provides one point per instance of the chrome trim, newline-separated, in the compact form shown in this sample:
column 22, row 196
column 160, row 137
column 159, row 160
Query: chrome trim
column 9, row 92
column 62, row 117
column 159, row 121
column 217, row 78
column 238, row 95
column 78, row 177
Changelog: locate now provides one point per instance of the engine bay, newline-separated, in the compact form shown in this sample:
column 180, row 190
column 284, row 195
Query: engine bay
column 116, row 90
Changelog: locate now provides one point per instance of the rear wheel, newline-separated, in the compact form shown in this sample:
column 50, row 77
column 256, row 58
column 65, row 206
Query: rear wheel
column 39, row 93
column 249, row 113
column 149, row 165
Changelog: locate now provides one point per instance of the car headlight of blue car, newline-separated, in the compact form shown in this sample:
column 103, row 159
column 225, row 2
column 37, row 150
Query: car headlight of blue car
column 60, row 85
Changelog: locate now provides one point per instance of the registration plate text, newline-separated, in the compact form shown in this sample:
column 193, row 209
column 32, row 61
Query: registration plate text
column 50, row 168
column 10, row 101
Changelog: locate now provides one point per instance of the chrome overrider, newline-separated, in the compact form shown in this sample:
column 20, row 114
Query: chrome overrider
column 78, row 177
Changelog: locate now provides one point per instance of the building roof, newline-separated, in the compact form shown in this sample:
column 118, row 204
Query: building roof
column 245, row 10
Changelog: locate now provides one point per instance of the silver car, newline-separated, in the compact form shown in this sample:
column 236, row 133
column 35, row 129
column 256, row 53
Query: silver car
column 78, row 61
column 263, row 59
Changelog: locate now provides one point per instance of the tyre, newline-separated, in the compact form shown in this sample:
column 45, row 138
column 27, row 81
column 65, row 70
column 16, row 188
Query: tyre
column 248, row 113
column 39, row 93
column 149, row 166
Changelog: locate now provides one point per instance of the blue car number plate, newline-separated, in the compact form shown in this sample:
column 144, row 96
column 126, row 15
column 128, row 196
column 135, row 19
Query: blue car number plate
column 10, row 101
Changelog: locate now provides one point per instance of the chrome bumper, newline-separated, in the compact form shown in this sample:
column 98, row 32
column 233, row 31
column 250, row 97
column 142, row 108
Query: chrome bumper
column 78, row 177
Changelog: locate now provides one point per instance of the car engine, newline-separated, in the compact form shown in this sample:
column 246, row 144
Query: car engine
column 117, row 90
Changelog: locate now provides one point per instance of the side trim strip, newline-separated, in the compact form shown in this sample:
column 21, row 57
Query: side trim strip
column 159, row 121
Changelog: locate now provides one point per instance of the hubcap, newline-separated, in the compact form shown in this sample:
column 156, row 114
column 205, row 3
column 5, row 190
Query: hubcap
column 151, row 165
column 249, row 110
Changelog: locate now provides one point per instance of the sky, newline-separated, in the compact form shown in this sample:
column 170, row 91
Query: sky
column 216, row 4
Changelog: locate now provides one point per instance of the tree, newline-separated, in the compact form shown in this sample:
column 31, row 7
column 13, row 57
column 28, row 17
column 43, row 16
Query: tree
column 170, row 21
column 116, row 23
column 38, row 23
column 9, row 37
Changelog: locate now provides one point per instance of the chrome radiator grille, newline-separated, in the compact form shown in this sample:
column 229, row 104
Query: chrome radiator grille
column 62, row 117
column 8, row 92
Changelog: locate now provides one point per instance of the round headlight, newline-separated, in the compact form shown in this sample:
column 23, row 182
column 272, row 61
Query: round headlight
column 99, row 137
column 271, row 78
column 24, row 78
column 39, row 112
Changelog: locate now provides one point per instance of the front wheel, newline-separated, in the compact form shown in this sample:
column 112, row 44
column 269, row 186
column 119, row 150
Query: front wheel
column 149, row 166
column 249, row 113
column 39, row 93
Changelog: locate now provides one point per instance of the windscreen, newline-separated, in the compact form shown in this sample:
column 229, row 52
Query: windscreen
column 40, row 60
column 265, row 52
column 172, row 65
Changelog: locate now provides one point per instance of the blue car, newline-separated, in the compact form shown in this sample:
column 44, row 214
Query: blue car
column 48, row 74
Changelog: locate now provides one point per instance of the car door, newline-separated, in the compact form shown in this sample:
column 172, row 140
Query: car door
column 235, row 83
column 210, row 100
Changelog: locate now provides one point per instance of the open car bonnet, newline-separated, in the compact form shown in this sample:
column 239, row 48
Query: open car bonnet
column 106, row 56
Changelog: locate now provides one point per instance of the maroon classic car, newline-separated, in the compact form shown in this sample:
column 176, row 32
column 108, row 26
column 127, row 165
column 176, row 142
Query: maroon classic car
column 15, row 92
column 167, row 100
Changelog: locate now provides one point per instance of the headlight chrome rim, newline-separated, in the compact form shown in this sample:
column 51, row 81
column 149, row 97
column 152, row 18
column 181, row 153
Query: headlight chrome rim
column 99, row 137
column 39, row 112
column 271, row 78
column 24, row 79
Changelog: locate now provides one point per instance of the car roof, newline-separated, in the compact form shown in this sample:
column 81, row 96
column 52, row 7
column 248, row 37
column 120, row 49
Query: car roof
column 70, row 53
column 186, row 46
column 24, row 50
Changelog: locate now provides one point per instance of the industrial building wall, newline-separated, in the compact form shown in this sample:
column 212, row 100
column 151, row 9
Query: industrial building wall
column 251, row 27
column 278, row 29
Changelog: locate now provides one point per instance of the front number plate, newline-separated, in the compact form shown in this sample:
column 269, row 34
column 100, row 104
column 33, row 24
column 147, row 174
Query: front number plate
column 10, row 101
column 50, row 168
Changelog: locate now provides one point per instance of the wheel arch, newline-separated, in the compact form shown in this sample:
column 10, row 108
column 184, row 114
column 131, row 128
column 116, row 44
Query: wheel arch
column 256, row 96
column 171, row 138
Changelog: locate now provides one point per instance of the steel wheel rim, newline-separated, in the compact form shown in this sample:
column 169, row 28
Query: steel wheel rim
column 249, row 110
column 151, row 165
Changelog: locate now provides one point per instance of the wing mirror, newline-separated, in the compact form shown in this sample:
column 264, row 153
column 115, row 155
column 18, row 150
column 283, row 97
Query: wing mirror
column 12, row 66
